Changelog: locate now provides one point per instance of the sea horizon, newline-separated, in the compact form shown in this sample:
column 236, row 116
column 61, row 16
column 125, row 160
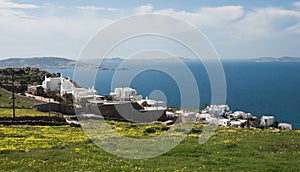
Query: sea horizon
column 258, row 88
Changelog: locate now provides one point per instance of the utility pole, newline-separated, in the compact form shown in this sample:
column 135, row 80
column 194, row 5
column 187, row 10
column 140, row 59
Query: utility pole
column 49, row 106
column 13, row 94
column 49, row 109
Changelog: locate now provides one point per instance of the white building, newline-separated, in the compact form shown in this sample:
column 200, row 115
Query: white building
column 170, row 114
column 224, row 122
column 125, row 94
column 238, row 123
column 267, row 120
column 150, row 102
column 84, row 93
column 285, row 126
column 203, row 116
column 212, row 120
column 65, row 86
column 52, row 84
column 216, row 110
column 240, row 115
column 189, row 114
column 154, row 108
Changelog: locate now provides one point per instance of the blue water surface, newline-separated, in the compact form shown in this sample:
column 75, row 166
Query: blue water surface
column 258, row 88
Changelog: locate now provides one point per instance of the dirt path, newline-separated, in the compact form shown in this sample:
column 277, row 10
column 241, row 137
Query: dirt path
column 41, row 99
column 29, row 97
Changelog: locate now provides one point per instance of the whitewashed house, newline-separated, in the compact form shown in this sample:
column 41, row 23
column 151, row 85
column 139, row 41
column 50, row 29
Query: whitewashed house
column 203, row 116
column 52, row 84
column 240, row 115
column 238, row 123
column 216, row 110
column 66, row 86
column 84, row 93
column 224, row 122
column 150, row 102
column 236, row 115
column 125, row 94
column 170, row 114
column 179, row 112
column 186, row 113
column 285, row 126
column 212, row 120
column 267, row 120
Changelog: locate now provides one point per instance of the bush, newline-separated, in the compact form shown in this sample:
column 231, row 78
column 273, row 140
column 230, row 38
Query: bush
column 150, row 130
column 165, row 128
column 195, row 130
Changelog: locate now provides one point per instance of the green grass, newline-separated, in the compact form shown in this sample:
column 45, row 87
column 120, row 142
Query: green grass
column 65, row 148
column 5, row 100
column 7, row 112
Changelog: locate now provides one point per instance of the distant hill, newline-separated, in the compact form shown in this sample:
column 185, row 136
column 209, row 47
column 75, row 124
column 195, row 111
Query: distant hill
column 280, row 59
column 43, row 63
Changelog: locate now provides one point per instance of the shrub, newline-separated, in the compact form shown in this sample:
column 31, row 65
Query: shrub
column 150, row 130
column 165, row 128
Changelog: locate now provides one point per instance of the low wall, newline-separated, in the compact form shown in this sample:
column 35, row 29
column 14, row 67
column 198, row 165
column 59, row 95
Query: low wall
column 33, row 120
column 55, row 107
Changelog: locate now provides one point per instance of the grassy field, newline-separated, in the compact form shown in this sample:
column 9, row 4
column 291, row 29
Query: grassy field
column 65, row 148
column 22, row 112
column 7, row 112
column 5, row 100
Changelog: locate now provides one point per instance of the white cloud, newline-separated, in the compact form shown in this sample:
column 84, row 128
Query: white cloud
column 5, row 4
column 144, row 9
column 94, row 8
column 295, row 29
column 55, row 31
column 297, row 4
column 265, row 22
column 46, row 34
column 233, row 22
column 207, row 17
column 226, row 13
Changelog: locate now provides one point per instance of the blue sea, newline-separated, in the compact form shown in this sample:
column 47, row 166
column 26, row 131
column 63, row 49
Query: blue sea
column 259, row 88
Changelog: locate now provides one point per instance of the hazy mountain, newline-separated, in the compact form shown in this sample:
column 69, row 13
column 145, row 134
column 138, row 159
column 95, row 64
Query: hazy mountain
column 43, row 63
column 280, row 59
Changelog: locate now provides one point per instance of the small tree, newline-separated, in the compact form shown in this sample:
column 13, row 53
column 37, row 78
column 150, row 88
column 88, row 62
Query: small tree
column 40, row 91
column 145, row 104
column 69, row 98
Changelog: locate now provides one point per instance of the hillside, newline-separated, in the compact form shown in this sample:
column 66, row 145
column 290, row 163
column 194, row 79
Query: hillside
column 65, row 148
column 42, row 63
column 61, row 63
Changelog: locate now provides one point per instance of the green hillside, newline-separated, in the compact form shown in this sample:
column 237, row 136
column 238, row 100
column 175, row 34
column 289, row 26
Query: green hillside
column 65, row 148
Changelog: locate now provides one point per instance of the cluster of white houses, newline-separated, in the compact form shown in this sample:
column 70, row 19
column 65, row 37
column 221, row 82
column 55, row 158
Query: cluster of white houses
column 66, row 86
column 213, row 114
column 222, row 116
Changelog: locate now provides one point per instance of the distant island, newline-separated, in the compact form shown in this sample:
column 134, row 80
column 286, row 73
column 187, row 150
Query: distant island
column 65, row 63
column 40, row 62
column 274, row 59
column 54, row 63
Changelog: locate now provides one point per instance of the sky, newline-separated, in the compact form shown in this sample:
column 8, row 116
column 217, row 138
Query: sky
column 238, row 29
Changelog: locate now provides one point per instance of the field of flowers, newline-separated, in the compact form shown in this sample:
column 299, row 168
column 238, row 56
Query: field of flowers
column 5, row 112
column 66, row 148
